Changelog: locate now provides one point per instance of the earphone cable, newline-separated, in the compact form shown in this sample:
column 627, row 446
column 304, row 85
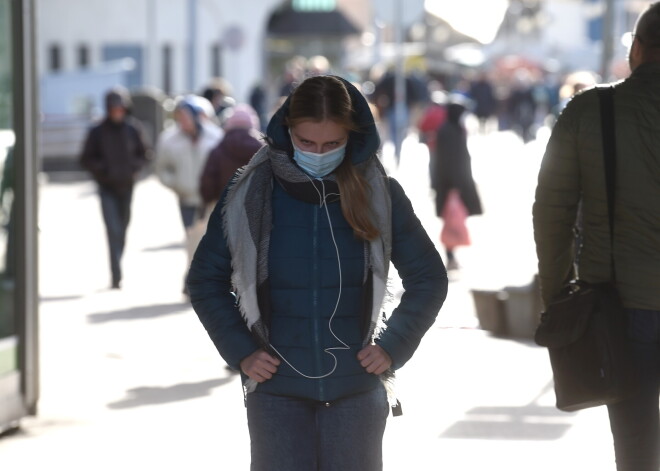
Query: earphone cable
column 323, row 203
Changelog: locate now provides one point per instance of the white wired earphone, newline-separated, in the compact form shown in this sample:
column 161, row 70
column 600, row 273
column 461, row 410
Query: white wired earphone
column 328, row 350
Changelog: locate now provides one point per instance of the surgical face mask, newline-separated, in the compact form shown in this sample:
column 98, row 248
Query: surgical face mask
column 319, row 165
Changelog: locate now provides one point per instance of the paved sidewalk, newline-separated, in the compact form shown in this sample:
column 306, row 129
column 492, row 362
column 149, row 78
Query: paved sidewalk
column 131, row 381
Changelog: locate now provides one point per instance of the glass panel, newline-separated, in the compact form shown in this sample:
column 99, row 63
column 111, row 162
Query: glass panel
column 7, row 249
column 6, row 101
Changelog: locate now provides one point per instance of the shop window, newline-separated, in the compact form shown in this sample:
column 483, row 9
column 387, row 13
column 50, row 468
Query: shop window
column 83, row 56
column 55, row 58
column 167, row 68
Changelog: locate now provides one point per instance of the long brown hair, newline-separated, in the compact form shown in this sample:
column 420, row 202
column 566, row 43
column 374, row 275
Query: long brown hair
column 323, row 98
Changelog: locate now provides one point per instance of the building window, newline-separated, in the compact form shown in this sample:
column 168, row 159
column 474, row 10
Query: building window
column 216, row 60
column 167, row 69
column 83, row 56
column 130, row 55
column 55, row 58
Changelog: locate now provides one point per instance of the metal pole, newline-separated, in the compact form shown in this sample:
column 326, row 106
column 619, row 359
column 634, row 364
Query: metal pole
column 399, row 85
column 26, row 159
column 192, row 43
column 150, row 64
column 608, row 40
column 378, row 40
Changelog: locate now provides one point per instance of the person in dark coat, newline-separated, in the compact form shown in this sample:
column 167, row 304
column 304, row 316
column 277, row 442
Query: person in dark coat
column 115, row 151
column 482, row 93
column 572, row 186
column 522, row 105
column 451, row 168
column 240, row 142
column 432, row 118
column 290, row 278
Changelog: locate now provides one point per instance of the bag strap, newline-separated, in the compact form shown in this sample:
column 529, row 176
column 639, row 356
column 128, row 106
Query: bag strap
column 606, row 98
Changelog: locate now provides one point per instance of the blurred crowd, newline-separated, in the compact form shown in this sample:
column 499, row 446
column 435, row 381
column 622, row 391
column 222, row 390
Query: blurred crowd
column 201, row 139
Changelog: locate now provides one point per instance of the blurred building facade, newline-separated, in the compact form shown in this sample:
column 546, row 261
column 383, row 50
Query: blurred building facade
column 179, row 46
column 558, row 35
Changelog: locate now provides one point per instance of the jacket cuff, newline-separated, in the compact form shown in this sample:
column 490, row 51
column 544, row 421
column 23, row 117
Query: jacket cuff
column 395, row 350
column 234, row 354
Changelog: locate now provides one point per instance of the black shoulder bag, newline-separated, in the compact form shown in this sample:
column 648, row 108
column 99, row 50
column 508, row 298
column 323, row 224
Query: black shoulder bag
column 584, row 327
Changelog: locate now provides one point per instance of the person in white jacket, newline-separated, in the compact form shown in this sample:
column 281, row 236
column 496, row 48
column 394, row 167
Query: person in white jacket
column 181, row 153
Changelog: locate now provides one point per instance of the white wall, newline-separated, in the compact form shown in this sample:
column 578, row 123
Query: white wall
column 567, row 32
column 566, row 24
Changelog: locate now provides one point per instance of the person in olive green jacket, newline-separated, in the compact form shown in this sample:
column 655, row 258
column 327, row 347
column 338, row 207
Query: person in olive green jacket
column 572, row 176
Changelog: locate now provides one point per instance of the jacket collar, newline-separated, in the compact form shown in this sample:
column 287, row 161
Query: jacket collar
column 647, row 69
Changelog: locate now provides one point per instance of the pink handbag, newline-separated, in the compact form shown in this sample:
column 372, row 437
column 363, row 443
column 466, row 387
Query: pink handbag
column 454, row 214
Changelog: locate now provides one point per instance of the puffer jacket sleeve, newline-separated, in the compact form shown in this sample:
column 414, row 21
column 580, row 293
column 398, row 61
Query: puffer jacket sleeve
column 210, row 290
column 424, row 281
column 556, row 202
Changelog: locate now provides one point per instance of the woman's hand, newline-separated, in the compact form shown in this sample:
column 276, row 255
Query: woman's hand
column 374, row 359
column 260, row 366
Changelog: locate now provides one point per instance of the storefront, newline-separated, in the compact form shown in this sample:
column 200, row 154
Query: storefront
column 19, row 388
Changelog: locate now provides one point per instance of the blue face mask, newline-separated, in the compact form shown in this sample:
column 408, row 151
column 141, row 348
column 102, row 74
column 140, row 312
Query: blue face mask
column 319, row 165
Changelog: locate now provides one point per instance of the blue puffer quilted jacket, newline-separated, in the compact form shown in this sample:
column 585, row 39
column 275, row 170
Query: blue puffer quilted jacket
column 305, row 283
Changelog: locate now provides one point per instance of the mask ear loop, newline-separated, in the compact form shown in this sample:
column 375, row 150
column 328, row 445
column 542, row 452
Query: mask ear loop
column 323, row 203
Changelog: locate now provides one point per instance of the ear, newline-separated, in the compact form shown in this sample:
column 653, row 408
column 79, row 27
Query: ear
column 635, row 54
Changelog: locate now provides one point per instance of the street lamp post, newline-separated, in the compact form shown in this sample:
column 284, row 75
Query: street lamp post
column 192, row 44
column 399, row 115
column 608, row 40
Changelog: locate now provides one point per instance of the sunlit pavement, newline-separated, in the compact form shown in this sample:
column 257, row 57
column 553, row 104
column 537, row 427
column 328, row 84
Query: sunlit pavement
column 131, row 381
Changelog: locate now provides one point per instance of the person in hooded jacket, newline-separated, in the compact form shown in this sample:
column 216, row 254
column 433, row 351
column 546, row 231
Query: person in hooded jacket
column 290, row 278
column 114, row 152
column 240, row 142
column 451, row 169
column 181, row 153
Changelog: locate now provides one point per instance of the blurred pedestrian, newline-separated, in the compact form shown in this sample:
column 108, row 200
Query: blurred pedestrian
column 114, row 152
column 573, row 83
column 240, row 142
column 259, row 102
column 219, row 94
column 290, row 278
column 181, row 154
column 294, row 72
column 522, row 105
column 481, row 92
column 384, row 97
column 572, row 176
column 456, row 195
column 433, row 117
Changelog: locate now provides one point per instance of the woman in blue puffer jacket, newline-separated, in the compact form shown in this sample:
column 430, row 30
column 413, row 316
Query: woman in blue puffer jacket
column 290, row 278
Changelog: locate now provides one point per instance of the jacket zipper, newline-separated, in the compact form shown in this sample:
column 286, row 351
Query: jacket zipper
column 315, row 303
